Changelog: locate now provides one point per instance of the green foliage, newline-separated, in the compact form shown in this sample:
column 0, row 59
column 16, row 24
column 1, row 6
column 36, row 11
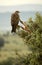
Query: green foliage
column 34, row 43
column 23, row 34
column 34, row 40
column 2, row 41
column 7, row 62
column 38, row 19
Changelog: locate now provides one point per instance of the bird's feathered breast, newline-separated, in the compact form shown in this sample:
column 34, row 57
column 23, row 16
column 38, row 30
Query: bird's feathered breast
column 15, row 18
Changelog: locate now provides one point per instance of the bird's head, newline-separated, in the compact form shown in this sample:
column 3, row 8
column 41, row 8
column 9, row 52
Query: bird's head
column 17, row 11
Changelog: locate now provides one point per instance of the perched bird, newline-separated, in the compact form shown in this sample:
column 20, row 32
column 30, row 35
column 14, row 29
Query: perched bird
column 15, row 18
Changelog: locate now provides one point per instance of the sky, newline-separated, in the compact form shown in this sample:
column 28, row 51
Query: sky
column 11, row 5
column 19, row 2
column 25, row 7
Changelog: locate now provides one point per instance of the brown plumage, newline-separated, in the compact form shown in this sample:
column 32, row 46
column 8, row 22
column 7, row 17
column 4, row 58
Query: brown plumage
column 14, row 21
column 14, row 18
